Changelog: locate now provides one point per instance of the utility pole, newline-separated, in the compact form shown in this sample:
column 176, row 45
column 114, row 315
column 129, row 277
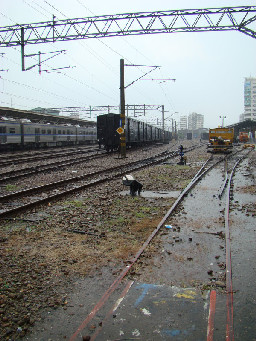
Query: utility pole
column 122, row 111
column 22, row 49
column 163, row 135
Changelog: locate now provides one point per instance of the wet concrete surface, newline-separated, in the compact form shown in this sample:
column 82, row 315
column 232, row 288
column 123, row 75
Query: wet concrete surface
column 195, row 244
column 156, row 194
column 243, row 235
column 146, row 312
column 170, row 298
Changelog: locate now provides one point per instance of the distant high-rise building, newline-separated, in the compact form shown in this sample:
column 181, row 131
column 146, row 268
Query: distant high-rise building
column 183, row 122
column 195, row 121
column 249, row 99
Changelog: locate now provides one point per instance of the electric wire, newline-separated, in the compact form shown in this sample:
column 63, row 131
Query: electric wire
column 64, row 74
column 94, row 54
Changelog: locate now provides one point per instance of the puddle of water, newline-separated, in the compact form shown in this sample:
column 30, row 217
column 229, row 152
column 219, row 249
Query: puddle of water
column 156, row 194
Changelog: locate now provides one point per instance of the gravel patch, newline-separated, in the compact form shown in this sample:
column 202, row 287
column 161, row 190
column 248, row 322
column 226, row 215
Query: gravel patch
column 41, row 257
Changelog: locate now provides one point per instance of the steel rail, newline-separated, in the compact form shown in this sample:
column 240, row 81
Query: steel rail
column 121, row 170
column 226, row 173
column 24, row 172
column 148, row 161
column 43, row 156
column 229, row 285
column 134, row 259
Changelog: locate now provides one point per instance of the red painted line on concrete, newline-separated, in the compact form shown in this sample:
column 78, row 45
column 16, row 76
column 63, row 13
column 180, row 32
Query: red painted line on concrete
column 101, row 302
column 115, row 306
column 210, row 328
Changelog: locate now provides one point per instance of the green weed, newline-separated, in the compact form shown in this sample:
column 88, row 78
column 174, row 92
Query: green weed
column 12, row 188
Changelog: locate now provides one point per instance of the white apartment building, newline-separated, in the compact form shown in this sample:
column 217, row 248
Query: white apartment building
column 183, row 122
column 195, row 121
column 249, row 99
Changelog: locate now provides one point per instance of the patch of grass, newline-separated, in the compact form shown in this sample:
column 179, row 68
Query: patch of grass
column 74, row 203
column 183, row 167
column 12, row 188
column 13, row 226
column 115, row 221
column 140, row 215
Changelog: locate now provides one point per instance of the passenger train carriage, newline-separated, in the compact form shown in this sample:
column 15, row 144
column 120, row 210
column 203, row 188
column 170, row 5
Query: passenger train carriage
column 24, row 135
column 17, row 134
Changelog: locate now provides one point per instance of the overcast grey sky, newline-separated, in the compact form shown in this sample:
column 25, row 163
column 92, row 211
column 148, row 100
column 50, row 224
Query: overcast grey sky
column 209, row 67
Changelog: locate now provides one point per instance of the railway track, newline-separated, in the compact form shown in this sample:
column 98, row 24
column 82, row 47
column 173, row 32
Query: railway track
column 28, row 198
column 49, row 167
column 58, row 189
column 40, row 156
column 146, row 296
column 209, row 330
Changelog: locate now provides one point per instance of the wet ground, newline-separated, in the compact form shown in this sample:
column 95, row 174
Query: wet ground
column 167, row 296
column 53, row 278
column 243, row 235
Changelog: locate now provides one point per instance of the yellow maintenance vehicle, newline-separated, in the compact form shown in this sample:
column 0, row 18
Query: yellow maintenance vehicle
column 220, row 140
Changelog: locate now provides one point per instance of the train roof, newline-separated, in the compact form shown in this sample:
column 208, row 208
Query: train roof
column 131, row 118
column 37, row 117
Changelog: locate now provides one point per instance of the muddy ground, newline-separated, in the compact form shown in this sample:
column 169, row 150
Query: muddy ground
column 41, row 257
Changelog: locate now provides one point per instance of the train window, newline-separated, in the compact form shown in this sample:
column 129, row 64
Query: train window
column 2, row 130
column 68, row 132
column 43, row 131
column 49, row 131
column 59, row 132
column 12, row 130
column 64, row 132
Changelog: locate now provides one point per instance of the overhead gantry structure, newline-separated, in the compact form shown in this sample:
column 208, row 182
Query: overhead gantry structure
column 171, row 21
column 240, row 19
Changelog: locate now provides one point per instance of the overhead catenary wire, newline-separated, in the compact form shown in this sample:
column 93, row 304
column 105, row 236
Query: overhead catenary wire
column 41, row 9
column 81, row 82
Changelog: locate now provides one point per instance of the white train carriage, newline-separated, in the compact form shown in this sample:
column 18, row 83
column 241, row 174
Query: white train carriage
column 64, row 135
column 47, row 134
column 86, row 134
column 10, row 132
column 15, row 134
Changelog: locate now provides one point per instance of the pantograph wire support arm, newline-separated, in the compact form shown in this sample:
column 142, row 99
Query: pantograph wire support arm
column 172, row 21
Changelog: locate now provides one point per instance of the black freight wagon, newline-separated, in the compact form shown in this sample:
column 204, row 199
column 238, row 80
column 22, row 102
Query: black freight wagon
column 205, row 136
column 137, row 133
column 107, row 134
column 189, row 136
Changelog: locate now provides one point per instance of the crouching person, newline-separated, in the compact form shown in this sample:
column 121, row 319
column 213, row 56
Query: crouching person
column 135, row 187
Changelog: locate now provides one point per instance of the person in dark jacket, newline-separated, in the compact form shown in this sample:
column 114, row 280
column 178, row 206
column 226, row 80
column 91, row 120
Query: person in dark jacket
column 135, row 186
